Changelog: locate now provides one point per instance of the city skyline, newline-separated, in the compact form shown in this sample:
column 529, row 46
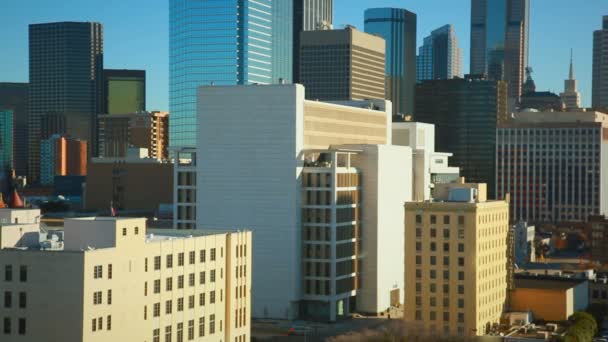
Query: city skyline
column 128, row 44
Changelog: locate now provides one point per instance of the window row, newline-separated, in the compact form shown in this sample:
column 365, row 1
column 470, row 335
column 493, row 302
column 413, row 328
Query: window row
column 181, row 258
column 8, row 273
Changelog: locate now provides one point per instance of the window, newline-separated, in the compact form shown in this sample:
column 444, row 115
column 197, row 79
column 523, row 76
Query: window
column 461, row 233
column 156, row 310
column 100, row 323
column 170, row 261
column 433, row 219
column 460, row 317
column 460, row 275
column 446, row 261
column 418, row 246
column 8, row 273
column 418, row 218
column 418, row 260
column 418, row 273
column 180, row 332
column 156, row 335
column 109, row 297
column 202, row 255
column 433, row 247
column 169, row 284
column 7, row 326
column 212, row 254
column 433, row 233
column 446, row 247
column 202, row 277
column 433, row 274
column 460, row 303
column 191, row 280
column 433, row 301
column 418, row 232
column 461, row 261
column 8, row 299
column 418, row 315
column 201, row 299
column 136, row 230
column 180, row 304
column 212, row 276
column 145, row 288
column 97, row 272
column 212, row 297
column 461, row 247
column 460, row 289
column 124, row 232
column 446, row 275
column 446, row 219
column 180, row 282
column 110, row 271
column 23, row 273
column 97, row 298
column 201, row 327
column 157, row 263
column 446, row 288
column 94, row 324
column 168, row 307
column 191, row 330
column 180, row 259
column 446, row 233
column 446, row 316
column 191, row 302
column 109, row 322
column 157, row 286
column 21, row 326
column 418, row 300
column 168, row 333
column 145, row 312
column 418, row 287
column 22, row 300
column 433, row 288
column 433, row 260
column 433, row 315
column 191, row 257
column 146, row 264
column 211, row 324
column 461, row 220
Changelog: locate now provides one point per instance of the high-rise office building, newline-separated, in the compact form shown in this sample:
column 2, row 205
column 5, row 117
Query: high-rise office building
column 62, row 156
column 341, row 65
column 571, row 97
column 124, row 282
column 223, row 43
column 6, row 141
column 456, row 261
column 465, row 113
column 66, row 67
column 500, row 41
column 600, row 67
column 554, row 165
column 14, row 97
column 119, row 132
column 440, row 57
column 398, row 27
column 309, row 15
column 124, row 91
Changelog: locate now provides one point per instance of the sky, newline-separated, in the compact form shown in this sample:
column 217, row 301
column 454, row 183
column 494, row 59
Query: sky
column 136, row 35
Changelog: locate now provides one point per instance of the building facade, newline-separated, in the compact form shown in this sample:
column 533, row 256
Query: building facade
column 342, row 65
column 456, row 261
column 228, row 43
column 66, row 66
column 119, row 132
column 554, row 165
column 62, row 156
column 14, row 97
column 571, row 96
column 600, row 67
column 7, row 135
column 127, row 283
column 124, row 91
column 500, row 41
column 440, row 57
column 599, row 238
column 309, row 15
column 465, row 113
column 398, row 28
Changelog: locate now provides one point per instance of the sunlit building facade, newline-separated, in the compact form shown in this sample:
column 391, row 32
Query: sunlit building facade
column 439, row 57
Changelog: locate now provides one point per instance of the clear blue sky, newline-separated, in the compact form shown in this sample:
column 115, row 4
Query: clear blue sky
column 135, row 34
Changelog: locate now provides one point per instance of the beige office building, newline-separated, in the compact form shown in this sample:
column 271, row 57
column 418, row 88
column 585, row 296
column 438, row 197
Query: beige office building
column 456, row 261
column 338, row 65
column 108, row 279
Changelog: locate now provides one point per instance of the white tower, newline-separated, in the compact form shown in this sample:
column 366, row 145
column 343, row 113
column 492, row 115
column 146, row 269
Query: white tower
column 570, row 96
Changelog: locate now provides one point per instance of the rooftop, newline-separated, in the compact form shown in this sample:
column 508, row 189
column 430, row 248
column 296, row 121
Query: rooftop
column 545, row 282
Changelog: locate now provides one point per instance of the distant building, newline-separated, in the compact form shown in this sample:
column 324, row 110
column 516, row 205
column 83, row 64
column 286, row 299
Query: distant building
column 124, row 282
column 456, row 261
column 124, row 91
column 342, row 65
column 523, row 248
column 571, row 97
column 552, row 299
column 309, row 15
column 7, row 136
column 62, row 156
column 119, row 132
column 553, row 164
column 465, row 113
column 440, row 57
column 599, row 238
column 500, row 34
column 398, row 27
column 68, row 87
column 538, row 100
column 134, row 183
column 600, row 67
column 14, row 97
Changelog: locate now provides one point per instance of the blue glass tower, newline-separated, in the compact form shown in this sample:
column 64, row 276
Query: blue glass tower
column 398, row 27
column 223, row 42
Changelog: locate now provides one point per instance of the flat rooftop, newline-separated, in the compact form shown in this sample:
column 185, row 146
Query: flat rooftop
column 543, row 282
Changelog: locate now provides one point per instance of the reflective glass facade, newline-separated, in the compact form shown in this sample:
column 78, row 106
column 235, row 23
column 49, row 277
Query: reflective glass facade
column 439, row 58
column 124, row 91
column 308, row 15
column 6, row 140
column 398, row 28
column 223, row 42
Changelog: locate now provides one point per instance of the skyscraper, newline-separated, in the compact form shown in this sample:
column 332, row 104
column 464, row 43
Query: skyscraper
column 6, row 140
column 14, row 97
column 66, row 66
column 124, row 91
column 398, row 27
column 341, row 65
column 600, row 67
column 571, row 97
column 439, row 58
column 308, row 15
column 499, row 41
column 226, row 42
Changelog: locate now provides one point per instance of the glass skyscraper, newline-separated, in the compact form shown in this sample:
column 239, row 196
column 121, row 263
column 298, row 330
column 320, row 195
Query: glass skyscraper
column 6, row 140
column 398, row 27
column 66, row 67
column 124, row 91
column 499, row 41
column 223, row 42
column 439, row 58
column 308, row 15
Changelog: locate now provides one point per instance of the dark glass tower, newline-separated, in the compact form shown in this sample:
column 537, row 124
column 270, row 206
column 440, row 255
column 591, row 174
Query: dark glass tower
column 13, row 96
column 226, row 42
column 66, row 66
column 124, row 91
column 308, row 15
column 499, row 41
column 465, row 113
column 398, row 27
column 599, row 98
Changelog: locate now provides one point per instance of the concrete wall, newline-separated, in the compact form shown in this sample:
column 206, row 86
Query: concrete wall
column 19, row 235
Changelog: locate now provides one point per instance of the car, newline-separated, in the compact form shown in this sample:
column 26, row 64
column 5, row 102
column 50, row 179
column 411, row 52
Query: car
column 300, row 330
